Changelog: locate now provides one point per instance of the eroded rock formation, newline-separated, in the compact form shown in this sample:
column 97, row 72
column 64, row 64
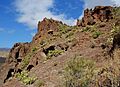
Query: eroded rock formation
column 98, row 14
column 45, row 27
column 18, row 51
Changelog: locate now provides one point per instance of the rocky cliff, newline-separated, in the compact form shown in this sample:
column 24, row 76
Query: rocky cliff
column 41, row 62
column 98, row 14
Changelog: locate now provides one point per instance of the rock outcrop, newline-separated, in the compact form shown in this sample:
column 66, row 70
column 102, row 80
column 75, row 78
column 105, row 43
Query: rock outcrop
column 18, row 51
column 46, row 27
column 98, row 14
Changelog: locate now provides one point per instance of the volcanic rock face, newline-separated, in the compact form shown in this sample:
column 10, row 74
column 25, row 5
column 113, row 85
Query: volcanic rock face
column 45, row 27
column 99, row 14
column 48, row 24
column 19, row 50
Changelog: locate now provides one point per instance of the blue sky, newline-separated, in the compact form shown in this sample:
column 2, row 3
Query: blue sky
column 19, row 18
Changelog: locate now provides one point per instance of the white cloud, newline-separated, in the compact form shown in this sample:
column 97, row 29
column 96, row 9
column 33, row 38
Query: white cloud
column 93, row 3
column 117, row 2
column 32, row 11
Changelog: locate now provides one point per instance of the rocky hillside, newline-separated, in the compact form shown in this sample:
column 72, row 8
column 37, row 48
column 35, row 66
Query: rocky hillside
column 84, row 55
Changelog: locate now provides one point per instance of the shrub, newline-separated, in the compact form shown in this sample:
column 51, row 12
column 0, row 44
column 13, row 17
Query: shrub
column 116, row 12
column 81, row 72
column 69, row 34
column 96, row 34
column 110, row 40
column 78, row 72
column 64, row 29
column 55, row 53
column 34, row 49
column 114, row 31
column 107, row 77
column 86, row 29
column 23, row 76
column 26, row 61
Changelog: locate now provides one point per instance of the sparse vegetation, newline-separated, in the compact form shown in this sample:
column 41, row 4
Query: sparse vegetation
column 26, row 61
column 116, row 12
column 64, row 29
column 107, row 77
column 114, row 31
column 115, row 26
column 79, row 72
column 23, row 77
column 69, row 34
column 73, row 39
column 86, row 29
column 96, row 34
column 34, row 49
column 55, row 53
column 110, row 40
column 94, row 31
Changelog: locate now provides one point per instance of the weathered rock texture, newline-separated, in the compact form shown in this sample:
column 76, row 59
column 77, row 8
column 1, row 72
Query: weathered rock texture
column 98, row 14
column 45, row 27
column 18, row 51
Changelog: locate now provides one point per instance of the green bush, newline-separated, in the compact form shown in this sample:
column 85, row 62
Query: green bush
column 25, row 61
column 64, row 29
column 34, row 49
column 79, row 72
column 96, row 34
column 85, row 29
column 23, row 76
column 69, row 34
column 55, row 53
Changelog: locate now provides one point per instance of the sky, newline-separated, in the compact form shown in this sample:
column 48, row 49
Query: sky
column 19, row 18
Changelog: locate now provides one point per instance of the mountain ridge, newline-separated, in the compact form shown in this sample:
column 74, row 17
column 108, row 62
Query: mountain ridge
column 95, row 38
column 4, row 49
